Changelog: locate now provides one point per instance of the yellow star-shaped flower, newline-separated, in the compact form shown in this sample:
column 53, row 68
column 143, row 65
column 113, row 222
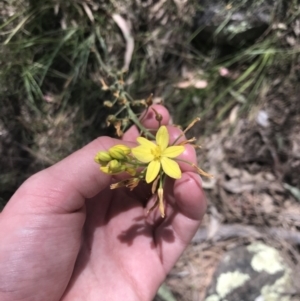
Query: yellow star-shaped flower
column 158, row 155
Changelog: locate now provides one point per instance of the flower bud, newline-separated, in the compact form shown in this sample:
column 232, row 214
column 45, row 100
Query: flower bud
column 124, row 148
column 131, row 171
column 103, row 157
column 119, row 152
column 115, row 166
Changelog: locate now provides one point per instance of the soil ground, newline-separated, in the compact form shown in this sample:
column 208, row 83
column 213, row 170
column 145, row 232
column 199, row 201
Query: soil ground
column 251, row 196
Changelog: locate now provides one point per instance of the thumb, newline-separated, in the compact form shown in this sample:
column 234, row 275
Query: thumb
column 63, row 187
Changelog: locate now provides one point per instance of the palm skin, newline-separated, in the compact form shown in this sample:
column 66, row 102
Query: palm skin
column 65, row 235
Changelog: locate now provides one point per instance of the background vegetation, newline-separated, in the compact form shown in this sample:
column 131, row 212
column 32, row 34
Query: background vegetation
column 54, row 55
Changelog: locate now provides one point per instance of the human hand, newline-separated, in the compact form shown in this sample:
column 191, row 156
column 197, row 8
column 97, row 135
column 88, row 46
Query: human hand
column 64, row 235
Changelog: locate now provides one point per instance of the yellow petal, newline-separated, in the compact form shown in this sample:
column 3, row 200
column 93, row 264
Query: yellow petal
column 173, row 151
column 152, row 171
column 171, row 168
column 143, row 154
column 145, row 142
column 162, row 137
column 105, row 169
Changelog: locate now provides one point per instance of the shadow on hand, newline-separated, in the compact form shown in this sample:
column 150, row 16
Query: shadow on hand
column 140, row 227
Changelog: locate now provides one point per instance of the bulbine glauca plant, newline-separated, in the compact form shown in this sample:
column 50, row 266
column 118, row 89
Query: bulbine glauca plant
column 152, row 161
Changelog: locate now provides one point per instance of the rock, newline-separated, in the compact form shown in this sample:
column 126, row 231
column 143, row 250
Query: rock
column 251, row 273
column 234, row 23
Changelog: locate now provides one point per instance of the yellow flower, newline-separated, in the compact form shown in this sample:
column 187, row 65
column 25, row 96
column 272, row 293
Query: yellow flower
column 158, row 155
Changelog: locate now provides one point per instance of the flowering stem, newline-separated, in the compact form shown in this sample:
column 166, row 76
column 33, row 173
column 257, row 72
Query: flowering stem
column 137, row 122
column 122, row 109
column 135, row 164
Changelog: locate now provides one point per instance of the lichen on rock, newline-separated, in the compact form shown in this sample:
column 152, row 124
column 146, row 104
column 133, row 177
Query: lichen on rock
column 255, row 272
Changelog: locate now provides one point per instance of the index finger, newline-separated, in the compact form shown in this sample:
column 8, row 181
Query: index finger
column 148, row 121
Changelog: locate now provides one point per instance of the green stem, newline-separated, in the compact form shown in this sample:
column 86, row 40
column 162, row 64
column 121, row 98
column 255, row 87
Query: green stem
column 121, row 110
column 101, row 63
column 137, row 122
column 135, row 164
column 161, row 180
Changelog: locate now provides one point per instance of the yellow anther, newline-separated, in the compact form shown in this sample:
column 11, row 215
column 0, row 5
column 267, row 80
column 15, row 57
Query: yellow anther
column 156, row 152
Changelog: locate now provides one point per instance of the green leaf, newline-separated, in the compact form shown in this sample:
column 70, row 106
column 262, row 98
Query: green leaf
column 165, row 293
column 293, row 190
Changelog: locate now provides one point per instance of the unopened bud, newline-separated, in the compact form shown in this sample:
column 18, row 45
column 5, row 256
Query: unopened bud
column 102, row 157
column 115, row 166
column 124, row 148
column 117, row 153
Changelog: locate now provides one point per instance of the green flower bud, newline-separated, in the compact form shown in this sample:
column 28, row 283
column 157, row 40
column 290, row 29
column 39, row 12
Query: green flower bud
column 124, row 148
column 103, row 157
column 119, row 152
column 115, row 166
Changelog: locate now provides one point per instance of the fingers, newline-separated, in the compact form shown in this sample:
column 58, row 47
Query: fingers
column 148, row 121
column 185, row 209
column 190, row 200
column 63, row 187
